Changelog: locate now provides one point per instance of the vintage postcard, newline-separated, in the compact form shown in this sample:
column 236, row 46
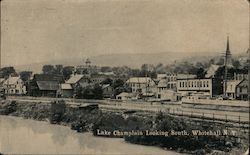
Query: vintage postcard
column 124, row 77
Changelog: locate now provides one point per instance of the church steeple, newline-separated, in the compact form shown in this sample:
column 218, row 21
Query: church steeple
column 228, row 47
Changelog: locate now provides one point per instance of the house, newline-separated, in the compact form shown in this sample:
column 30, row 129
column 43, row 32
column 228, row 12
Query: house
column 45, row 85
column 125, row 96
column 161, row 87
column 108, row 91
column 77, row 81
column 66, row 90
column 231, row 88
column 165, row 93
column 14, row 86
column 207, row 86
column 141, row 84
column 80, row 80
column 242, row 90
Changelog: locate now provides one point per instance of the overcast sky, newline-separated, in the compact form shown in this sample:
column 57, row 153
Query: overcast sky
column 42, row 30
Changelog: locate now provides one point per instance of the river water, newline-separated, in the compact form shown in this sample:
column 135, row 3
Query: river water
column 22, row 136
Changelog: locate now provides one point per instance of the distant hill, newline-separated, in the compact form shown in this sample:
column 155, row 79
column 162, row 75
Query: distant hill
column 130, row 60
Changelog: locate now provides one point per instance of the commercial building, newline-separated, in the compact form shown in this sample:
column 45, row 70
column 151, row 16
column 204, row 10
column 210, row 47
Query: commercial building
column 207, row 86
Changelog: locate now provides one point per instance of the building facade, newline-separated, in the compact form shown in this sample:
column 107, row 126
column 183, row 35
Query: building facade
column 210, row 86
column 242, row 90
column 14, row 86
column 141, row 85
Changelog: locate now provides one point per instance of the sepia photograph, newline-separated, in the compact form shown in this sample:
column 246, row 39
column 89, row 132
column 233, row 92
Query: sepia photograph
column 124, row 77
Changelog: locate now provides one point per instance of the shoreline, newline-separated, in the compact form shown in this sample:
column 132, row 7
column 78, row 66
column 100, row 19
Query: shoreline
column 89, row 119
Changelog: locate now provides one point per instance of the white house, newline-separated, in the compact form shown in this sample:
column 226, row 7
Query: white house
column 141, row 84
column 231, row 88
column 14, row 86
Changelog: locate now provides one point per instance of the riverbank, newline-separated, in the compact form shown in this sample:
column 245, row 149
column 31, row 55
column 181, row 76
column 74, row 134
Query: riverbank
column 135, row 127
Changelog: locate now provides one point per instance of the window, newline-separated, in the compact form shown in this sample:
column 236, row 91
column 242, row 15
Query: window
column 180, row 84
column 207, row 84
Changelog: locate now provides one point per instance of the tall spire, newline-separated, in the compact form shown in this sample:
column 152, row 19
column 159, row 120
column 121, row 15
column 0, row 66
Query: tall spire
column 228, row 47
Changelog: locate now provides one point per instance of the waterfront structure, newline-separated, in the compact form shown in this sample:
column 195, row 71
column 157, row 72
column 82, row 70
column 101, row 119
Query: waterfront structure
column 45, row 85
column 143, row 85
column 207, row 86
column 14, row 86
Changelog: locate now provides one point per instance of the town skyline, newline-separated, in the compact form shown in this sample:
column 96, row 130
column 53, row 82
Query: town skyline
column 71, row 29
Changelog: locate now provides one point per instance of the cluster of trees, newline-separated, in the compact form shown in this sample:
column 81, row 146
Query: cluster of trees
column 59, row 70
column 90, row 92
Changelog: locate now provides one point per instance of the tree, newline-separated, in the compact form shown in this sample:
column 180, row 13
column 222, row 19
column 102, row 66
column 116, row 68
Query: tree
column 118, row 83
column 236, row 64
column 98, row 92
column 7, row 71
column 67, row 71
column 200, row 73
column 107, row 81
column 106, row 69
column 58, row 69
column 48, row 69
column 25, row 75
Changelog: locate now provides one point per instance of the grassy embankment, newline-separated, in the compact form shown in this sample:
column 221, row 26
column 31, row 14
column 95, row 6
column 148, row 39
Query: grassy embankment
column 91, row 118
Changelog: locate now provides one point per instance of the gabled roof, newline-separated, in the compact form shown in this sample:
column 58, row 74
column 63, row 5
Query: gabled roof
column 231, row 85
column 105, row 86
column 212, row 70
column 11, row 80
column 139, row 80
column 48, row 85
column 74, row 79
column 66, row 86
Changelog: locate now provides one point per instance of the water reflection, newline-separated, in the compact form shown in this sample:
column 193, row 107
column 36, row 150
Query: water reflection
column 32, row 137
